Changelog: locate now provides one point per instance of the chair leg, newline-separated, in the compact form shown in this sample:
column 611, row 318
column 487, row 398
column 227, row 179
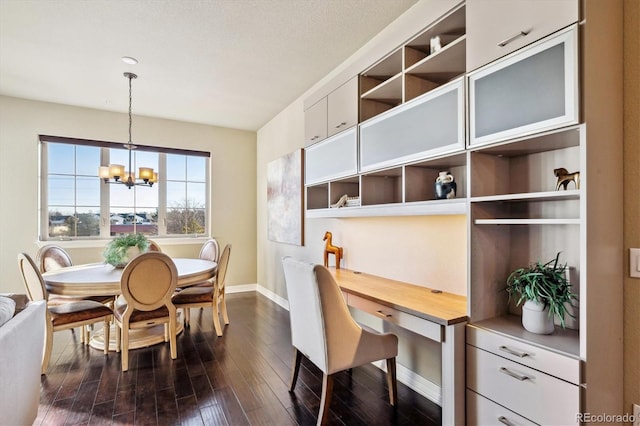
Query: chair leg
column 325, row 399
column 216, row 318
column 187, row 316
column 118, row 337
column 392, row 384
column 48, row 344
column 172, row 335
column 297, row 358
column 223, row 308
column 105, row 333
column 125, row 347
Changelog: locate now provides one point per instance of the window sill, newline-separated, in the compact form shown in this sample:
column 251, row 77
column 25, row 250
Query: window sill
column 102, row 243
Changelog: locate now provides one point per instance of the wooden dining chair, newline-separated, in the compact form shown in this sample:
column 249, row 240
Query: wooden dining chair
column 214, row 296
column 323, row 330
column 52, row 257
column 147, row 283
column 63, row 316
column 210, row 250
column 153, row 246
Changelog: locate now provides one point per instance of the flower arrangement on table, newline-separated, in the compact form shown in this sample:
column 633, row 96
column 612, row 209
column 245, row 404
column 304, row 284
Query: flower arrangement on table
column 122, row 249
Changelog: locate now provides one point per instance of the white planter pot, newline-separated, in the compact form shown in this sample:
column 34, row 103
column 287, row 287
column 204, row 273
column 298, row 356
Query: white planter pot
column 536, row 319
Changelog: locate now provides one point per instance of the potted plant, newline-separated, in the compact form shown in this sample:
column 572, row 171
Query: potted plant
column 546, row 293
column 122, row 249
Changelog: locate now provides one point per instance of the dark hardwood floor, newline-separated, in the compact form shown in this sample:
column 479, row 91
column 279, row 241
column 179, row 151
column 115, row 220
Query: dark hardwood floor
column 238, row 379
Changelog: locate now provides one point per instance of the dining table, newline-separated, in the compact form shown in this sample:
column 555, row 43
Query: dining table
column 102, row 279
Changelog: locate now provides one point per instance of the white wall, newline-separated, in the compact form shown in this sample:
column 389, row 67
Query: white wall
column 233, row 178
column 424, row 250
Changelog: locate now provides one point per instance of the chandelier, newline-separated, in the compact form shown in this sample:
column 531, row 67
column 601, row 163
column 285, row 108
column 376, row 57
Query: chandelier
column 115, row 173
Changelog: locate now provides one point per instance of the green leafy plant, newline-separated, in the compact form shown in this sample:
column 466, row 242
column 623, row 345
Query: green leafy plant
column 546, row 284
column 116, row 253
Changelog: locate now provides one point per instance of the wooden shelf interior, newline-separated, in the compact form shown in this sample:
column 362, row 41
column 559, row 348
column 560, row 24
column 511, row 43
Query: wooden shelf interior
column 420, row 177
column 318, row 196
column 513, row 171
column 350, row 186
column 383, row 187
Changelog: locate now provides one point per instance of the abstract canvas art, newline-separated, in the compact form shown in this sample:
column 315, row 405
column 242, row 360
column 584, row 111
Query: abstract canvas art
column 284, row 199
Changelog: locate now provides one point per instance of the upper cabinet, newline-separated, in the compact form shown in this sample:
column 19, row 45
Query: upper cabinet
column 498, row 27
column 531, row 90
column 332, row 114
column 315, row 122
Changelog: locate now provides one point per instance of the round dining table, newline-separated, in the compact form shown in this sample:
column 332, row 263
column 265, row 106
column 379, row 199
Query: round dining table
column 101, row 279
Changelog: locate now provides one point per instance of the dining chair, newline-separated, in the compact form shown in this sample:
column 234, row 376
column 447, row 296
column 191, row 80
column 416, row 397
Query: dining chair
column 147, row 283
column 52, row 257
column 214, row 296
column 63, row 316
column 323, row 330
column 210, row 250
column 153, row 246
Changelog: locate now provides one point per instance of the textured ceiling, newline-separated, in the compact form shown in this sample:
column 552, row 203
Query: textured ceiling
column 232, row 63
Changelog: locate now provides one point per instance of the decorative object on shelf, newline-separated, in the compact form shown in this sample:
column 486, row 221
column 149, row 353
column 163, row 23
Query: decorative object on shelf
column 122, row 249
column 346, row 201
column 284, row 199
column 564, row 177
column 547, row 292
column 146, row 175
column 329, row 248
column 445, row 186
column 435, row 44
column 341, row 202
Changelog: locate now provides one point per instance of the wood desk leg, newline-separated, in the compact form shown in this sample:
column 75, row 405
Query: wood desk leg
column 453, row 375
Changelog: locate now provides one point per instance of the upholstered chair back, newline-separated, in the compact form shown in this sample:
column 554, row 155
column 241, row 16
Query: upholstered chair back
column 305, row 311
column 52, row 257
column 33, row 281
column 210, row 250
column 223, row 264
column 148, row 281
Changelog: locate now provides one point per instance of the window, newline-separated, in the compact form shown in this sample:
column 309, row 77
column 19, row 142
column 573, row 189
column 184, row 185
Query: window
column 76, row 203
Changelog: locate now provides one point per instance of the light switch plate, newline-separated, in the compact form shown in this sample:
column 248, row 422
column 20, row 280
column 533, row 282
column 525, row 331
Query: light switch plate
column 634, row 262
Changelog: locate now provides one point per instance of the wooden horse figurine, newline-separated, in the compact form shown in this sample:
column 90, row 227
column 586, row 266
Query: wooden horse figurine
column 564, row 177
column 330, row 248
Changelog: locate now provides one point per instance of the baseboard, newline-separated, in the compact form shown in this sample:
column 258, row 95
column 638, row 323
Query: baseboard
column 241, row 288
column 419, row 384
column 284, row 303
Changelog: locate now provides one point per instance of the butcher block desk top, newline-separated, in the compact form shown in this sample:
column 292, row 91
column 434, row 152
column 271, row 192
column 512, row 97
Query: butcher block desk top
column 440, row 307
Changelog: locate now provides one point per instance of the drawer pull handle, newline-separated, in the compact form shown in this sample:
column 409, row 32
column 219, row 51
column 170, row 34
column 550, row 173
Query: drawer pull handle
column 506, row 41
column 504, row 421
column 512, row 352
column 514, row 375
column 341, row 124
column 384, row 314
column 314, row 138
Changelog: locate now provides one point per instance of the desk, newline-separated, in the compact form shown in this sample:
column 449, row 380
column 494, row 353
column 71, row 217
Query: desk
column 438, row 316
column 100, row 279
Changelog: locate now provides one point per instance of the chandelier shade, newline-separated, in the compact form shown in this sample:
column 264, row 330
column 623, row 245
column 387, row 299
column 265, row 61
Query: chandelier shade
column 116, row 173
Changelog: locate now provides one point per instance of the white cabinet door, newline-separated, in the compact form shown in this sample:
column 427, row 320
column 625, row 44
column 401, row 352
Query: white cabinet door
column 332, row 158
column 531, row 90
column 498, row 27
column 343, row 107
column 429, row 125
column 315, row 122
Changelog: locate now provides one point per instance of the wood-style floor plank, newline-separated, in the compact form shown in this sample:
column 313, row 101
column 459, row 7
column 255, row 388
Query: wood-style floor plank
column 240, row 378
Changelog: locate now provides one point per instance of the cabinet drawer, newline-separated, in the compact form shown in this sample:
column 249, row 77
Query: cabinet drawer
column 530, row 393
column 494, row 26
column 332, row 158
column 483, row 412
column 555, row 364
column 427, row 126
column 416, row 324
